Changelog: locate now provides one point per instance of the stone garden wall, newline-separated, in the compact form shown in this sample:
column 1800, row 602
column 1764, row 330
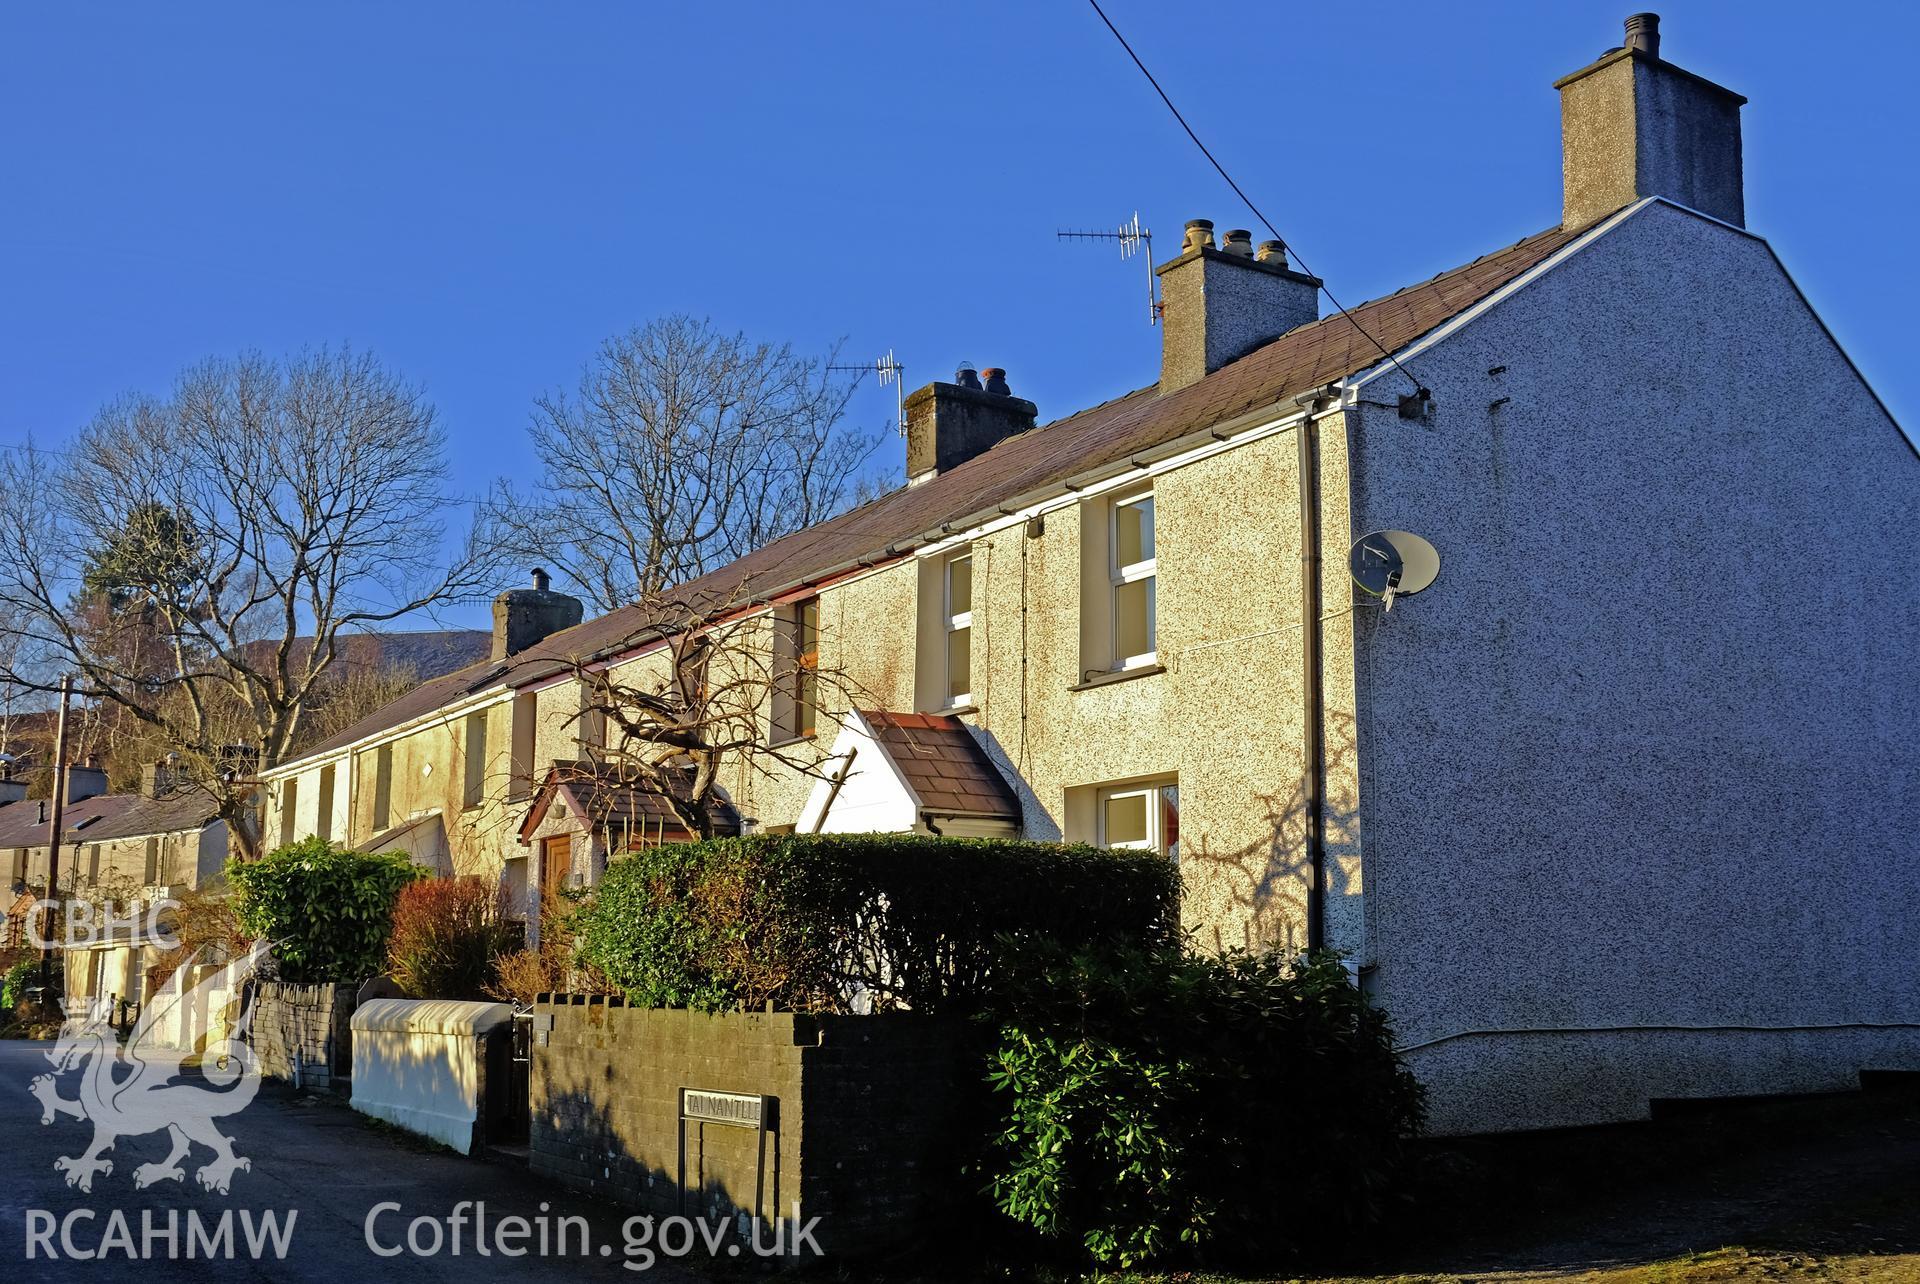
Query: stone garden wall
column 304, row 1026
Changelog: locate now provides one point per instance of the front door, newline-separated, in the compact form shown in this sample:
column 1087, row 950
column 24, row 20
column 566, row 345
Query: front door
column 556, row 863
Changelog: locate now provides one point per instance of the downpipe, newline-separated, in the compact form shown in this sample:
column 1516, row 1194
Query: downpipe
column 1313, row 781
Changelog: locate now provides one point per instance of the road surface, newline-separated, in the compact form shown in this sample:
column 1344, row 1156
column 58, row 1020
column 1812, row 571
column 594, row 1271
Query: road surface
column 300, row 1212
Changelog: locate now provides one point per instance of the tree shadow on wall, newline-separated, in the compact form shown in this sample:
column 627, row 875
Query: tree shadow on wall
column 1267, row 879
column 1037, row 823
column 605, row 1126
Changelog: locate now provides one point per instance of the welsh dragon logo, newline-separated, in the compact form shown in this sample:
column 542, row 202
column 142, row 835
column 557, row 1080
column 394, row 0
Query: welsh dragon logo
column 141, row 1087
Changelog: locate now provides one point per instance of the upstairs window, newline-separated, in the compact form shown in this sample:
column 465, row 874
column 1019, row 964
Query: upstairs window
column 526, row 714
column 796, row 671
column 323, row 822
column 382, row 789
column 806, row 669
column 289, row 810
column 1130, row 570
column 592, row 725
column 957, row 615
column 474, row 760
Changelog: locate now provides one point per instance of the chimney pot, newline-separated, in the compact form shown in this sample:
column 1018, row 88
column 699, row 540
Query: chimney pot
column 1643, row 33
column 1274, row 252
column 1239, row 241
column 1199, row 235
column 997, row 382
column 540, row 579
column 967, row 377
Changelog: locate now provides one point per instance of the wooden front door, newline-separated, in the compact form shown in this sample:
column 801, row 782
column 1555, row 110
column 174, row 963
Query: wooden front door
column 556, row 862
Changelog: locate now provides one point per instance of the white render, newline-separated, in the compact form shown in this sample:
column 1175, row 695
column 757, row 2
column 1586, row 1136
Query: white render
column 419, row 1064
column 1639, row 781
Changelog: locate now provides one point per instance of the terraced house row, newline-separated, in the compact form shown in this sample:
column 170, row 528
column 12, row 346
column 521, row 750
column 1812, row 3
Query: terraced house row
column 1620, row 808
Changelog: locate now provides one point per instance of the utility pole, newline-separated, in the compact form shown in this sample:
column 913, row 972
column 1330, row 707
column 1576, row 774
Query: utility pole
column 54, row 831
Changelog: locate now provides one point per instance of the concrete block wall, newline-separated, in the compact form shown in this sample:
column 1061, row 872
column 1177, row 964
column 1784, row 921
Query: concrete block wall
column 305, row 1025
column 868, row 1108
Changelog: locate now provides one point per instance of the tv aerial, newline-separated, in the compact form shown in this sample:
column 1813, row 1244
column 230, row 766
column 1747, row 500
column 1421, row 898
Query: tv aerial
column 1132, row 238
column 1393, row 564
column 891, row 373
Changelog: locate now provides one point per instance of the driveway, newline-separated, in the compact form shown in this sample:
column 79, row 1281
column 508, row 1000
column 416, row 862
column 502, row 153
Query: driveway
column 317, row 1171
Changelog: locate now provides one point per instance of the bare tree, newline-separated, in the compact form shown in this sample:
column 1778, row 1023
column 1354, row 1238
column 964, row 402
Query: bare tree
column 196, row 559
column 729, row 686
column 12, row 648
column 358, row 691
column 681, row 449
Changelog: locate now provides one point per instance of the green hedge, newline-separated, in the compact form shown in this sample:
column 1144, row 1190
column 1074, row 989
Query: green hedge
column 807, row 922
column 1236, row 1109
column 327, row 910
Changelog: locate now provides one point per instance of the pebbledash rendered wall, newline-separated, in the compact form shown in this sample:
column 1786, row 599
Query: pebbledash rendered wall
column 1640, row 773
column 303, row 1033
column 866, row 1136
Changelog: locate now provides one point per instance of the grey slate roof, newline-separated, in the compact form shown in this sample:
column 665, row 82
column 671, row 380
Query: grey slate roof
column 945, row 767
column 107, row 818
column 1305, row 358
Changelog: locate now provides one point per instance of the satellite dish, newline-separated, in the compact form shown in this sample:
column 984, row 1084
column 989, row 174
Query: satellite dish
column 1390, row 564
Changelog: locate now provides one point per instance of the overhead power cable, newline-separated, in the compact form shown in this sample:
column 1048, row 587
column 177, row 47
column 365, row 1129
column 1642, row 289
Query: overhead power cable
column 1419, row 388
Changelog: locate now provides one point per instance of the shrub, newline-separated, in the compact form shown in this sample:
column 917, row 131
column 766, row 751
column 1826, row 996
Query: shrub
column 205, row 927
column 327, row 910
column 13, row 986
column 810, row 922
column 447, row 936
column 1233, row 1106
column 523, row 974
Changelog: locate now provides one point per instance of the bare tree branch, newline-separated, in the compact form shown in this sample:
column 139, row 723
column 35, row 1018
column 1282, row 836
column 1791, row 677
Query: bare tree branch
column 673, row 722
column 681, row 449
column 196, row 559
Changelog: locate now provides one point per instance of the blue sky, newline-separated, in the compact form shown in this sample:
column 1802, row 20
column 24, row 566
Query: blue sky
column 481, row 192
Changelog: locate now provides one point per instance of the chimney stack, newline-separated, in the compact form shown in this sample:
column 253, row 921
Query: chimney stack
column 158, row 779
column 950, row 423
column 529, row 616
column 1220, row 304
column 1633, row 125
column 85, row 780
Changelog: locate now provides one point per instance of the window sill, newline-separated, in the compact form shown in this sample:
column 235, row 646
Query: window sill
column 1112, row 676
column 955, row 710
column 786, row 741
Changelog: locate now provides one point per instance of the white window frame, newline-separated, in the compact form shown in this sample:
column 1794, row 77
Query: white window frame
column 953, row 621
column 1131, row 573
column 1156, row 839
